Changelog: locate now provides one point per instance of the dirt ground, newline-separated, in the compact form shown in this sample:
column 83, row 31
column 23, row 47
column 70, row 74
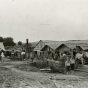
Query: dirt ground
column 13, row 77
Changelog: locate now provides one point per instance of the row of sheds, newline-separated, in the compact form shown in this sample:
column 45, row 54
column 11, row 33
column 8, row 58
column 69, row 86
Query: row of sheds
column 55, row 46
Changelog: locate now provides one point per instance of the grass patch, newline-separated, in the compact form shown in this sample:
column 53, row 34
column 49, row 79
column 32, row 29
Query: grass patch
column 40, row 63
column 27, row 67
column 34, row 67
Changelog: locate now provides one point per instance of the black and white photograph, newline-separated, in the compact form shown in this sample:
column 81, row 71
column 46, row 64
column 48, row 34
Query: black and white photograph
column 43, row 43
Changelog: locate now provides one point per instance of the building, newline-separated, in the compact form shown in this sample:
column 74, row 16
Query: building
column 45, row 45
column 60, row 46
column 76, row 46
column 48, row 48
column 2, row 46
column 63, row 48
column 15, row 48
column 68, row 48
column 83, row 46
column 48, row 51
column 38, row 47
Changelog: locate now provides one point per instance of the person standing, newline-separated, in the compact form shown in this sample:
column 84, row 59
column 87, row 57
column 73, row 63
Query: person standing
column 67, row 65
column 32, row 56
column 12, row 54
column 2, row 57
column 72, row 63
column 23, row 54
column 74, row 53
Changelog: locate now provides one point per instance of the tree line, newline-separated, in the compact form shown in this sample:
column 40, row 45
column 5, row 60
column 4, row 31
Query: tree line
column 9, row 41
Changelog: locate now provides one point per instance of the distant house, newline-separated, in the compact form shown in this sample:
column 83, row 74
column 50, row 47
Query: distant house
column 75, row 46
column 19, row 48
column 68, row 48
column 60, row 46
column 38, row 47
column 48, row 48
column 84, row 46
column 2, row 46
column 15, row 48
column 63, row 48
column 9, row 48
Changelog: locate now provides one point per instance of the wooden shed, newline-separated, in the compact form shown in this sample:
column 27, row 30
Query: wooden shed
column 38, row 47
column 63, row 48
column 47, row 48
column 75, row 46
column 68, row 48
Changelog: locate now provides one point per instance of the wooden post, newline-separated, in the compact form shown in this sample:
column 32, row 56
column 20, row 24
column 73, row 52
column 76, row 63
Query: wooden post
column 27, row 49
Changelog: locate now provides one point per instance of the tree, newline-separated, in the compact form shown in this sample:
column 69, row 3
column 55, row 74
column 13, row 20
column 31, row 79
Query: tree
column 20, row 43
column 29, row 46
column 1, row 39
column 9, row 41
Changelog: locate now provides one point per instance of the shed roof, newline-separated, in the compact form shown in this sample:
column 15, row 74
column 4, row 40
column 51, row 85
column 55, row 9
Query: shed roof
column 70, row 44
column 45, row 47
column 61, row 45
column 2, row 46
column 73, row 45
column 53, row 46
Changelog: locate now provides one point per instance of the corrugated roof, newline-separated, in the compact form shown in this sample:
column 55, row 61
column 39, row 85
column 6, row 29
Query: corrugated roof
column 51, row 44
column 71, row 44
column 84, row 46
column 54, row 46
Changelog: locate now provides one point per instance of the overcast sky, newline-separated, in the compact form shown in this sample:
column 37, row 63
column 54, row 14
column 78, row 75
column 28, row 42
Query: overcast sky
column 44, row 19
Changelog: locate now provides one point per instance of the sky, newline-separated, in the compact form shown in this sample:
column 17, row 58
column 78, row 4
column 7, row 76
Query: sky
column 36, row 20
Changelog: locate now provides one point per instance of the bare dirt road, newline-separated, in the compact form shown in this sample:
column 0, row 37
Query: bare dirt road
column 14, row 78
